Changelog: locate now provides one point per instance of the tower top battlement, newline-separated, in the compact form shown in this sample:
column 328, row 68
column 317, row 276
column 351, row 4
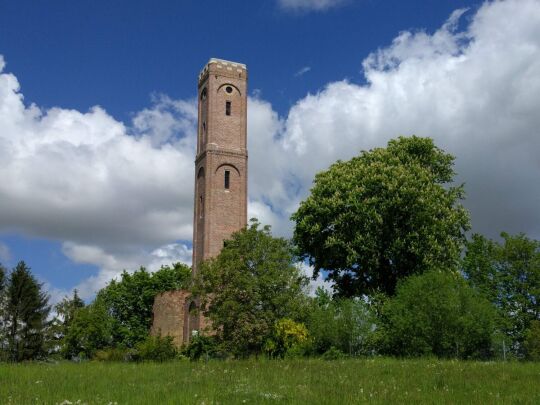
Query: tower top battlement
column 223, row 67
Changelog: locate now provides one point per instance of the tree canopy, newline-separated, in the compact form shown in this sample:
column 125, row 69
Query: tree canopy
column 249, row 286
column 386, row 214
column 508, row 274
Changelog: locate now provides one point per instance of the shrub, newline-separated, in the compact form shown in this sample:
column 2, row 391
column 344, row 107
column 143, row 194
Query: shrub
column 288, row 338
column 113, row 354
column 437, row 313
column 333, row 354
column 156, row 348
column 201, row 346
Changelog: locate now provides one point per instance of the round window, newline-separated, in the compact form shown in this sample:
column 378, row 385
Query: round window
column 228, row 89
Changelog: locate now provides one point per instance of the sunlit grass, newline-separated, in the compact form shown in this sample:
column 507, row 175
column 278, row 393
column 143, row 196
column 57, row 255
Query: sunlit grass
column 301, row 382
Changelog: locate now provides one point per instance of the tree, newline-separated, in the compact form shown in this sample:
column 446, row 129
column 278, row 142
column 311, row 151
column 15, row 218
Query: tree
column 436, row 313
column 90, row 330
column 532, row 341
column 508, row 274
column 27, row 311
column 65, row 314
column 382, row 216
column 129, row 301
column 3, row 332
column 342, row 323
column 248, row 287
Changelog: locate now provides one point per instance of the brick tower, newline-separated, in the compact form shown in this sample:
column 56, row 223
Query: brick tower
column 221, row 161
column 220, row 206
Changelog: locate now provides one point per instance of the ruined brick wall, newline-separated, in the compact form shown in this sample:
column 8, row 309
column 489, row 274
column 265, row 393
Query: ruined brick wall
column 169, row 312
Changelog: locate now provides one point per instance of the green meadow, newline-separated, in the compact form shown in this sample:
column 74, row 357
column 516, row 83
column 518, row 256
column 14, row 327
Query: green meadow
column 255, row 382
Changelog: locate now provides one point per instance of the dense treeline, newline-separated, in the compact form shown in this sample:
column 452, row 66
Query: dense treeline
column 387, row 227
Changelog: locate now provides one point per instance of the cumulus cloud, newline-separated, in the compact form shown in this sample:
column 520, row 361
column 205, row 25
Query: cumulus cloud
column 120, row 195
column 108, row 190
column 476, row 91
column 309, row 5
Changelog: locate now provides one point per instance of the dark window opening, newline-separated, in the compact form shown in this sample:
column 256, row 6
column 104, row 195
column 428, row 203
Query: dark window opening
column 203, row 132
column 201, row 206
column 227, row 179
column 203, row 94
column 227, row 108
column 228, row 89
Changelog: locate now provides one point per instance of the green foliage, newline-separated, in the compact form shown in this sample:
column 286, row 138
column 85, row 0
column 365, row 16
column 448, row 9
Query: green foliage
column 113, row 354
column 3, row 331
column 508, row 274
column 289, row 336
column 202, row 347
column 343, row 324
column 532, row 341
column 333, row 354
column 436, row 313
column 90, row 330
column 129, row 301
column 156, row 348
column 65, row 313
column 27, row 310
column 382, row 216
column 250, row 285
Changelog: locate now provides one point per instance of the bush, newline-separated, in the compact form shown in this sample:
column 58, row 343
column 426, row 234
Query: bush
column 436, row 313
column 333, row 354
column 288, row 338
column 156, row 348
column 201, row 346
column 113, row 354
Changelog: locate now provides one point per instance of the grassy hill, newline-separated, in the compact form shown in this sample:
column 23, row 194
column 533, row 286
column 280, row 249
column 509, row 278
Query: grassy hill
column 290, row 381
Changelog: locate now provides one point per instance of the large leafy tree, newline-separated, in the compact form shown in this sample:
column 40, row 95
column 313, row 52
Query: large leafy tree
column 436, row 313
column 129, row 300
column 248, row 287
column 508, row 273
column 27, row 310
column 384, row 215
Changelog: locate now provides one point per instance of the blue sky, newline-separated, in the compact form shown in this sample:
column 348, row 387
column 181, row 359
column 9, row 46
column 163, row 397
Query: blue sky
column 89, row 190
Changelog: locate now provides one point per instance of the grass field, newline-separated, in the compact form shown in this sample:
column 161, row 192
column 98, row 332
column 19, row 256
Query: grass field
column 256, row 382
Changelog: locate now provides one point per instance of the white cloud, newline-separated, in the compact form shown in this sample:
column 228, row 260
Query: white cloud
column 120, row 196
column 5, row 253
column 112, row 264
column 302, row 71
column 111, row 190
column 475, row 91
column 307, row 5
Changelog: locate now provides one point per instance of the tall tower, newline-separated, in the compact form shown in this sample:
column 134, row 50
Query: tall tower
column 221, row 162
column 220, row 188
